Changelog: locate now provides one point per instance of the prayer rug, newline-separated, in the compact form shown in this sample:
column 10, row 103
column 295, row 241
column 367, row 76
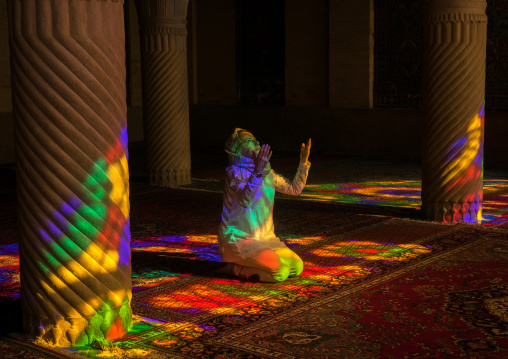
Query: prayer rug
column 371, row 186
column 183, row 309
column 391, row 198
column 395, row 288
column 449, row 305
column 407, row 194
column 11, row 348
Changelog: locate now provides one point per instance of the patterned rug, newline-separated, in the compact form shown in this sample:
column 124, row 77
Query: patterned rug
column 433, row 291
column 375, row 284
column 396, row 198
column 449, row 305
column 371, row 185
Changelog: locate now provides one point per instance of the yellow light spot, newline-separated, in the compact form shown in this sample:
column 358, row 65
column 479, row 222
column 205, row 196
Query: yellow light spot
column 119, row 177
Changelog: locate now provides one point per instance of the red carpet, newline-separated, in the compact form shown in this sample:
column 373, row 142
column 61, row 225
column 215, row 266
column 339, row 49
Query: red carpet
column 374, row 286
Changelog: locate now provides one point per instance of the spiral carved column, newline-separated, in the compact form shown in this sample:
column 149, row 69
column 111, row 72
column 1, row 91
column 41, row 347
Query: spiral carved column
column 454, row 91
column 68, row 82
column 163, row 36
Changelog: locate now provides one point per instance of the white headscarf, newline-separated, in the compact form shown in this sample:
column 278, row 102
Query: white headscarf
column 233, row 148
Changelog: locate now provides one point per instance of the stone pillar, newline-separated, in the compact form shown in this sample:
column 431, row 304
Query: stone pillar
column 70, row 112
column 454, row 91
column 163, row 36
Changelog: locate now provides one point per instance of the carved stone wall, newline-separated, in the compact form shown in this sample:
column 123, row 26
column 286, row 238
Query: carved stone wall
column 70, row 114
column 163, row 37
column 454, row 92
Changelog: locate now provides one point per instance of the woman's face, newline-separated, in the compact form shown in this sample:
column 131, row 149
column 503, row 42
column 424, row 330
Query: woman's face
column 250, row 147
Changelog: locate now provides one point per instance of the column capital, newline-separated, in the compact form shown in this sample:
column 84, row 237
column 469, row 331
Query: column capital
column 163, row 16
column 456, row 11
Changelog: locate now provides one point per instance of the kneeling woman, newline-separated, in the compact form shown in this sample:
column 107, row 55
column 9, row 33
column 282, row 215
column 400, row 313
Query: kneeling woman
column 246, row 234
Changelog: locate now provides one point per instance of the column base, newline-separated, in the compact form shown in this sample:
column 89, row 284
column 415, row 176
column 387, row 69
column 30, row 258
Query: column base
column 453, row 212
column 170, row 178
column 100, row 328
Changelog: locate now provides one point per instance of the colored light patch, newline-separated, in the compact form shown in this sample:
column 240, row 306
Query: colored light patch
column 86, row 236
column 149, row 279
column 117, row 330
column 118, row 176
column 192, row 247
column 464, row 166
column 196, row 299
column 227, row 296
column 495, row 202
column 317, row 277
column 9, row 271
column 399, row 194
column 404, row 194
column 372, row 251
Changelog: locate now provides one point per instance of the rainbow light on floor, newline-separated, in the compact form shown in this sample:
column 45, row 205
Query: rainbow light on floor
column 9, row 272
column 198, row 247
column 405, row 194
column 222, row 295
column 327, row 265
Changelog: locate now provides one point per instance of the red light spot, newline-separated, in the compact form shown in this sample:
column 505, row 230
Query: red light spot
column 370, row 250
column 116, row 331
column 113, row 227
column 115, row 152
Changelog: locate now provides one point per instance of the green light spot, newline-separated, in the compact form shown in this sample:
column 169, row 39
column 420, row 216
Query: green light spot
column 83, row 227
column 93, row 212
column 87, row 228
column 52, row 260
column 43, row 267
column 71, row 247
column 99, row 193
column 99, row 173
column 60, row 252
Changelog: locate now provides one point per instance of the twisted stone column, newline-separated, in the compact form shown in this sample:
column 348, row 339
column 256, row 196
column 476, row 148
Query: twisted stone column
column 69, row 106
column 454, row 91
column 163, row 37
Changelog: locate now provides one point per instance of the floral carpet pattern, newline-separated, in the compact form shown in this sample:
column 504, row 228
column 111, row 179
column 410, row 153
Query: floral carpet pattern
column 436, row 308
column 378, row 282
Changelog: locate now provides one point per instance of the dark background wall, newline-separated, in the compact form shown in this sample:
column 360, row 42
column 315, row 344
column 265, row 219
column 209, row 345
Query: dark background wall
column 346, row 73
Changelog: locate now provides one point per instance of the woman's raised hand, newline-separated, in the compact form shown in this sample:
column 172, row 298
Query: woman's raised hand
column 304, row 153
column 262, row 159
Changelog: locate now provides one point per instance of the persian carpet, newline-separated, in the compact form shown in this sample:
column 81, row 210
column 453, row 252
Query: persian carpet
column 450, row 305
column 387, row 187
column 363, row 294
column 374, row 286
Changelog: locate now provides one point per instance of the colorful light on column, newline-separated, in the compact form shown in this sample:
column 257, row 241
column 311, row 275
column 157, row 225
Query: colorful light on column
column 84, row 255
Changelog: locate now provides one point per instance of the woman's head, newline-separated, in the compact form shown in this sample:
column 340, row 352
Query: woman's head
column 241, row 143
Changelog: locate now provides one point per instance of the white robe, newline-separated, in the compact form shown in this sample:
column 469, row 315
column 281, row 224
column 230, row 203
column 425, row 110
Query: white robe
column 247, row 213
